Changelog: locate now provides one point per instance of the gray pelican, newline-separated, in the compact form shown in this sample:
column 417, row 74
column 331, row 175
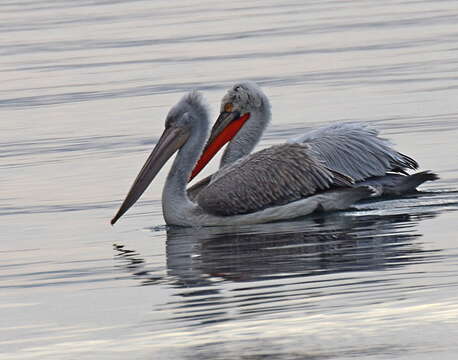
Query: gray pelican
column 353, row 149
column 266, row 186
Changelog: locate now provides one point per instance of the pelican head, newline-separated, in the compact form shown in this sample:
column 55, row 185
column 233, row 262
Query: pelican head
column 244, row 115
column 186, row 125
column 242, row 98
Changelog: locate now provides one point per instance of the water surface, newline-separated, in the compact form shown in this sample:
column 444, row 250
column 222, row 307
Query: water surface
column 85, row 89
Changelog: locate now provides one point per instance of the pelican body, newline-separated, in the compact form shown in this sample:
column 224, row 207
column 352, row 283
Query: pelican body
column 285, row 181
column 351, row 148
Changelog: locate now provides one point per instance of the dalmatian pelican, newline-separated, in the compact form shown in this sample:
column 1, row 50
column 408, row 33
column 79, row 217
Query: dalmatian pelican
column 278, row 183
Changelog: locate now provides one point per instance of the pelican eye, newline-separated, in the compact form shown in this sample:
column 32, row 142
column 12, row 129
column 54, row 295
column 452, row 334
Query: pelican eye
column 228, row 107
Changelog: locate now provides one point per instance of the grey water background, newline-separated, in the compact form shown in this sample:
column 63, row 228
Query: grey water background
column 85, row 89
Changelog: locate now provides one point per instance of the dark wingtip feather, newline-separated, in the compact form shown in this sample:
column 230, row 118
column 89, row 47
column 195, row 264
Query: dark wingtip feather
column 409, row 162
column 402, row 163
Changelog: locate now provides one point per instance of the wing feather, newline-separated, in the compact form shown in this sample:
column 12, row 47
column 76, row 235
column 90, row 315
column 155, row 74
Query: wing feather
column 356, row 150
column 195, row 189
column 270, row 177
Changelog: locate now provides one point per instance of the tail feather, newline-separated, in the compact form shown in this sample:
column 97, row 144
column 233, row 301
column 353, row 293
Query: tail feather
column 395, row 184
column 411, row 182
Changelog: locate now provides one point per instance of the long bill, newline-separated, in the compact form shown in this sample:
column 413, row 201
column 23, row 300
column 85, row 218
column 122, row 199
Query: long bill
column 226, row 127
column 170, row 141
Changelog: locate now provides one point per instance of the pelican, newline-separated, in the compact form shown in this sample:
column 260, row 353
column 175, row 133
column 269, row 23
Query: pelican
column 353, row 149
column 281, row 182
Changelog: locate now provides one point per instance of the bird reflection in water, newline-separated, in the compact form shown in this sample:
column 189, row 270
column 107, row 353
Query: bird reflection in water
column 220, row 274
column 313, row 246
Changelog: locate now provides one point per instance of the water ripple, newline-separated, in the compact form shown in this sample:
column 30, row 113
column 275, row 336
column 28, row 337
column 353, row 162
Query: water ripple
column 292, row 264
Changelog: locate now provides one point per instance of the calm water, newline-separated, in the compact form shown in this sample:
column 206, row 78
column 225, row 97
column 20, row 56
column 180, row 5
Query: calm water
column 85, row 89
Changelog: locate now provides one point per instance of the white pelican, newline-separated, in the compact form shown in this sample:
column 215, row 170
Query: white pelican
column 353, row 149
column 281, row 182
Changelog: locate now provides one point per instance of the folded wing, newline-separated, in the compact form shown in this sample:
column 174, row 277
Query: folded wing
column 355, row 150
column 273, row 176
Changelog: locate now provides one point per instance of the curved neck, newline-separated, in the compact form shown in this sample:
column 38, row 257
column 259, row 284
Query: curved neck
column 175, row 200
column 248, row 136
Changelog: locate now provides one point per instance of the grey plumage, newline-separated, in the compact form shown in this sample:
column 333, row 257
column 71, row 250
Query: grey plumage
column 355, row 150
column 335, row 155
column 295, row 179
column 246, row 97
column 271, row 177
column 194, row 190
column 301, row 167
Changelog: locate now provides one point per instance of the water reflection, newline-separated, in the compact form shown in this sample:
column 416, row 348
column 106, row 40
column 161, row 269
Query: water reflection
column 316, row 245
column 281, row 267
column 319, row 245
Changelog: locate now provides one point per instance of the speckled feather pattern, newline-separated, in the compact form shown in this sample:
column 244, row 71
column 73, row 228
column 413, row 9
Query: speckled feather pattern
column 273, row 176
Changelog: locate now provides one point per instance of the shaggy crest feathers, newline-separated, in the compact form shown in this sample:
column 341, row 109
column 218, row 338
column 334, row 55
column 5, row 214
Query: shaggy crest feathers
column 246, row 98
column 195, row 100
column 246, row 94
column 191, row 104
